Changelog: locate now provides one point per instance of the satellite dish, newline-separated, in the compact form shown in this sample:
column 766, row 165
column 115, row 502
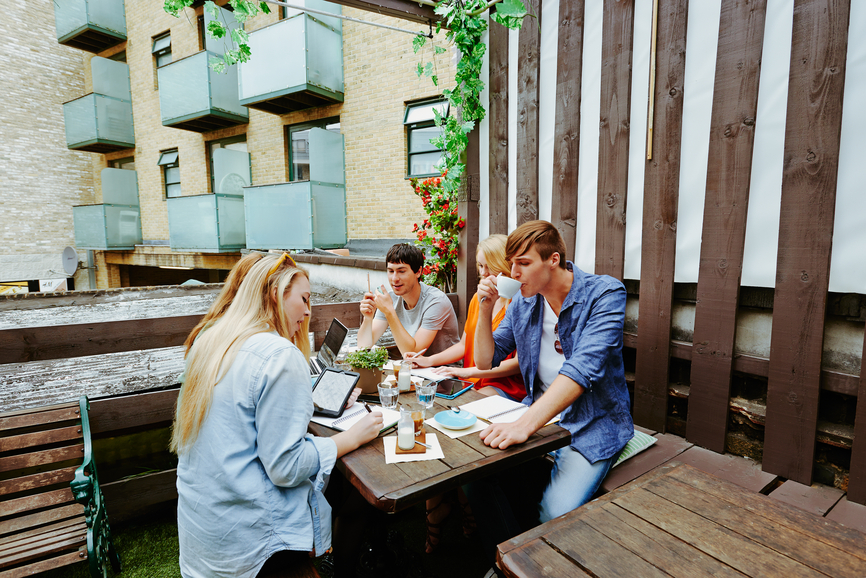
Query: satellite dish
column 70, row 260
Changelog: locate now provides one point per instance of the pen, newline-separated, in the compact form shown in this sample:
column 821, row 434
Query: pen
column 367, row 407
column 416, row 354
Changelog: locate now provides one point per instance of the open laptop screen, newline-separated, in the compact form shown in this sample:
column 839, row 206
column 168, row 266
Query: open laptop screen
column 334, row 339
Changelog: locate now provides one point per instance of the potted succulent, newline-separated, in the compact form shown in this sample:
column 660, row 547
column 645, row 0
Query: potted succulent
column 368, row 362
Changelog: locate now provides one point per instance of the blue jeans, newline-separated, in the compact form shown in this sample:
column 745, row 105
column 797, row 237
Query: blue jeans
column 516, row 500
column 573, row 482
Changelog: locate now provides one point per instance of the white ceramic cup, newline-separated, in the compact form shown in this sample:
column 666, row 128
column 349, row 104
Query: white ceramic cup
column 507, row 286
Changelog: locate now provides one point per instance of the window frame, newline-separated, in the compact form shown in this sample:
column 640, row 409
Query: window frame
column 173, row 164
column 300, row 127
column 412, row 126
column 112, row 164
column 162, row 51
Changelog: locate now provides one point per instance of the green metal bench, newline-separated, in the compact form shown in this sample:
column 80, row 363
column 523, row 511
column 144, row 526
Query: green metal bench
column 51, row 509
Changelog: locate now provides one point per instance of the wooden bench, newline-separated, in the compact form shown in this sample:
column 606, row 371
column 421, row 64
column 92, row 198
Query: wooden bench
column 51, row 507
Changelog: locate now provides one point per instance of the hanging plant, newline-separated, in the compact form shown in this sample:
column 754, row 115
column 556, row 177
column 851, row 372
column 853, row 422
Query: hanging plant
column 465, row 28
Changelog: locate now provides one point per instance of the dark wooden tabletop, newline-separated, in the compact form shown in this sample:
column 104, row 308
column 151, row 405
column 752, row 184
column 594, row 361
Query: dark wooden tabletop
column 393, row 487
column 679, row 521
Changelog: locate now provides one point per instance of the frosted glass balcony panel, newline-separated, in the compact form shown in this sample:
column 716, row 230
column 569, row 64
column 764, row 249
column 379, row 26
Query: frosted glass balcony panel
column 98, row 123
column 231, row 171
column 91, row 25
column 299, row 215
column 329, row 215
column 107, row 226
column 321, row 6
column 122, row 226
column 326, row 156
column 89, row 223
column 308, row 71
column 206, row 223
column 110, row 78
column 119, row 187
column 193, row 97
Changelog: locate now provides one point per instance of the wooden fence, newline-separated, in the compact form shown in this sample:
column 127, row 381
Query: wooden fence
column 793, row 372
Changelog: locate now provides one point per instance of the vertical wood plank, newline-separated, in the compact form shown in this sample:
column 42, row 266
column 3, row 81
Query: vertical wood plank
column 732, row 137
column 527, row 114
column 616, row 55
column 467, row 208
column 566, row 138
column 857, row 473
column 814, row 121
column 497, row 114
column 658, row 250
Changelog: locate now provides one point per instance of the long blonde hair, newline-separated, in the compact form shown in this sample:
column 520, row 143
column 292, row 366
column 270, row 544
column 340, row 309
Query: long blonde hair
column 493, row 248
column 225, row 297
column 255, row 309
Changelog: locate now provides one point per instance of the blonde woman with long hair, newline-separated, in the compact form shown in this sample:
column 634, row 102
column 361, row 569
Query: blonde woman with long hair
column 250, row 478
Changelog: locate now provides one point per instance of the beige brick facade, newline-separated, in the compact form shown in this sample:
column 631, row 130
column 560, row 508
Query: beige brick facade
column 379, row 75
column 40, row 179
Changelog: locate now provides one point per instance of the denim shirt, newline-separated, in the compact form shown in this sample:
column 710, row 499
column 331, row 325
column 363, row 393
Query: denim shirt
column 590, row 330
column 250, row 485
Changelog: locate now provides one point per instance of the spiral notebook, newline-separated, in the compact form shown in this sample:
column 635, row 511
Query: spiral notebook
column 498, row 409
column 353, row 414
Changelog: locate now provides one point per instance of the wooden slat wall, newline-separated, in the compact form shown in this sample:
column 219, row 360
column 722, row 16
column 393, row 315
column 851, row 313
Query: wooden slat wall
column 527, row 115
column 497, row 114
column 658, row 248
column 857, row 474
column 732, row 136
column 814, row 122
column 616, row 56
column 566, row 138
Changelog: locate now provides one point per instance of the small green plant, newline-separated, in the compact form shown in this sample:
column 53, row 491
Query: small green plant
column 373, row 358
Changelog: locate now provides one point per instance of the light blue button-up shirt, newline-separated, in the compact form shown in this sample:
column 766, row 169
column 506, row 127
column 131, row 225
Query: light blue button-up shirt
column 251, row 483
column 590, row 330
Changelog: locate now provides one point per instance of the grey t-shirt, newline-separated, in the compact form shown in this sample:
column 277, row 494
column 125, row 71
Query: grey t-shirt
column 433, row 311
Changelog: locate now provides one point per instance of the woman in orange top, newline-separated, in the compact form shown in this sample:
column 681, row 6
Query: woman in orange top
column 504, row 380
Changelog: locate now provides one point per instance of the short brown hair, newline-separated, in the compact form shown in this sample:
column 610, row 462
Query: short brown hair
column 541, row 235
column 406, row 254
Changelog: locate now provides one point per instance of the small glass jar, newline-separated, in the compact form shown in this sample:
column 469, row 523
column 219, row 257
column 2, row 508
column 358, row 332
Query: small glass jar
column 405, row 430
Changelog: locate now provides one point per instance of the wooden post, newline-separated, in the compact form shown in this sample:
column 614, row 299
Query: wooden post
column 498, row 117
column 527, row 115
column 566, row 138
column 857, row 475
column 732, row 137
column 814, row 123
column 616, row 55
column 467, row 207
column 658, row 249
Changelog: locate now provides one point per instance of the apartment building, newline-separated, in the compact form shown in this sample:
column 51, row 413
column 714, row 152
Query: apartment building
column 171, row 169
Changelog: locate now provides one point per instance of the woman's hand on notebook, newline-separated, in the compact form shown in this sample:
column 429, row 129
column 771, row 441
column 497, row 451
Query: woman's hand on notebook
column 366, row 429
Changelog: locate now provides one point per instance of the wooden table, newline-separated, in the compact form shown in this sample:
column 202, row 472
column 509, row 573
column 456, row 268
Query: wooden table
column 393, row 487
column 679, row 521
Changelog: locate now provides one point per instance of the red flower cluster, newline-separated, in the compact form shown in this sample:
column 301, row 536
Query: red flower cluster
column 438, row 233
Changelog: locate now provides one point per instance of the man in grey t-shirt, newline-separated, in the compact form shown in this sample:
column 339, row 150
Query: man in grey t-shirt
column 420, row 316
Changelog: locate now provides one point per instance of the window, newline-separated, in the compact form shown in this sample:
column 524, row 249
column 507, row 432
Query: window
column 162, row 49
column 299, row 146
column 170, row 163
column 119, row 57
column 232, row 143
column 419, row 120
column 127, row 163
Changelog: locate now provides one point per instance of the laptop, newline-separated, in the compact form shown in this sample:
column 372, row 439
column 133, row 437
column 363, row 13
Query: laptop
column 334, row 339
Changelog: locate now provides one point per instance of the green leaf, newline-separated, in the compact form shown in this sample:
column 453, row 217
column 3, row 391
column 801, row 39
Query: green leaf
column 435, row 80
column 509, row 13
column 467, row 127
column 216, row 29
column 438, row 50
column 264, row 7
column 428, row 69
column 418, row 43
column 217, row 65
column 212, row 8
column 240, row 36
column 419, row 70
column 173, row 7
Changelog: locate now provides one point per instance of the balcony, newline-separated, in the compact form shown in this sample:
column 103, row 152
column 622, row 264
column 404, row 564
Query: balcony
column 115, row 224
column 91, row 25
column 194, row 97
column 101, row 122
column 206, row 223
column 309, row 74
column 303, row 214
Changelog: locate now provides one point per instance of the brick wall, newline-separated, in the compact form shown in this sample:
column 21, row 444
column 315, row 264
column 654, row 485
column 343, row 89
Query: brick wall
column 40, row 179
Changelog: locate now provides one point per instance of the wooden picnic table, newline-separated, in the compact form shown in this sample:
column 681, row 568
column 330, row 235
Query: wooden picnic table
column 394, row 487
column 679, row 521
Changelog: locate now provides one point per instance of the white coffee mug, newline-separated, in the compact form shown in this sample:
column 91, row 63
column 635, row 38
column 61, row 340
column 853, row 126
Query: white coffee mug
column 507, row 286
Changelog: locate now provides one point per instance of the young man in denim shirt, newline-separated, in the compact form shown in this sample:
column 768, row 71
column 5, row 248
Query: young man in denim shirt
column 566, row 326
